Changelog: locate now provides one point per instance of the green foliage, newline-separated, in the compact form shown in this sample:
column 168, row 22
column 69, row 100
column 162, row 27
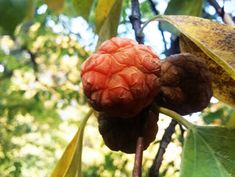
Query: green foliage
column 184, row 7
column 209, row 152
column 12, row 13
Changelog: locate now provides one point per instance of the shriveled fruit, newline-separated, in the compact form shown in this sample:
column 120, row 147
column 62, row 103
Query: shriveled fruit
column 122, row 134
column 121, row 78
column 185, row 84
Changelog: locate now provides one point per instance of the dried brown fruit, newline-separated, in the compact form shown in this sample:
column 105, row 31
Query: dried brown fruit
column 122, row 134
column 121, row 78
column 185, row 84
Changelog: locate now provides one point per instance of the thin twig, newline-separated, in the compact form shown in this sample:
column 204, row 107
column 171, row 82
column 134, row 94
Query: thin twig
column 220, row 11
column 32, row 57
column 166, row 139
column 153, row 7
column 135, row 19
column 137, row 171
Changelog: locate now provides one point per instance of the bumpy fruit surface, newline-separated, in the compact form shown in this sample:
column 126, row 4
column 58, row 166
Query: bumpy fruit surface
column 122, row 134
column 185, row 84
column 121, row 78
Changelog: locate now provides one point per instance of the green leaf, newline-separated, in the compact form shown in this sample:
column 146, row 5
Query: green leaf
column 107, row 18
column 215, row 43
column 70, row 163
column 182, row 7
column 12, row 13
column 209, row 152
column 83, row 7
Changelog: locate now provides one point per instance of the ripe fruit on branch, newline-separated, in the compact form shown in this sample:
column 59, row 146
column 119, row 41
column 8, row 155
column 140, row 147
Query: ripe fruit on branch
column 122, row 134
column 185, row 84
column 121, row 78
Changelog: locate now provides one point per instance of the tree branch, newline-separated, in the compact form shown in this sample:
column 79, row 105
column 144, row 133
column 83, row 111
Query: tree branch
column 166, row 139
column 135, row 20
column 137, row 172
column 153, row 8
column 220, row 11
column 32, row 57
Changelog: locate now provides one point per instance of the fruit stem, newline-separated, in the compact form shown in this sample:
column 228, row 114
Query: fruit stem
column 181, row 120
column 137, row 170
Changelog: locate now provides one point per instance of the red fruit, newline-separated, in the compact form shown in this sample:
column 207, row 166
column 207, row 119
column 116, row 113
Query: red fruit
column 121, row 78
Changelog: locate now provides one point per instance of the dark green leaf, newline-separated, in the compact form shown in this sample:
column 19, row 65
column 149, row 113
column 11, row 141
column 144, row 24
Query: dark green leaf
column 12, row 13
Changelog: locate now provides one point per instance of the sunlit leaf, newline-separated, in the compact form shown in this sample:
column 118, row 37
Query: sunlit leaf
column 70, row 163
column 182, row 7
column 83, row 7
column 103, row 10
column 231, row 122
column 57, row 5
column 209, row 152
column 215, row 40
column 107, row 18
column 222, row 83
column 12, row 13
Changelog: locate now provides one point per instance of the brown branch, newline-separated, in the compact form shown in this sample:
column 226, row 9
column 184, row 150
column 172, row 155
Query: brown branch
column 137, row 170
column 153, row 8
column 135, row 19
column 220, row 11
column 32, row 57
column 166, row 139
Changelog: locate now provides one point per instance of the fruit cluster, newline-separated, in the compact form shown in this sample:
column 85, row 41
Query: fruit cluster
column 123, row 78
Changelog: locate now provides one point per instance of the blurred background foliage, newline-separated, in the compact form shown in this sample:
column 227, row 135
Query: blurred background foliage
column 42, row 46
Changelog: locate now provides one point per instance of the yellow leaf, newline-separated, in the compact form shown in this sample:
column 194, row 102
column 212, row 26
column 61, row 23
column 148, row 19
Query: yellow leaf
column 69, row 164
column 103, row 10
column 107, row 19
column 57, row 5
column 215, row 40
column 222, row 83
column 231, row 122
column 83, row 7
